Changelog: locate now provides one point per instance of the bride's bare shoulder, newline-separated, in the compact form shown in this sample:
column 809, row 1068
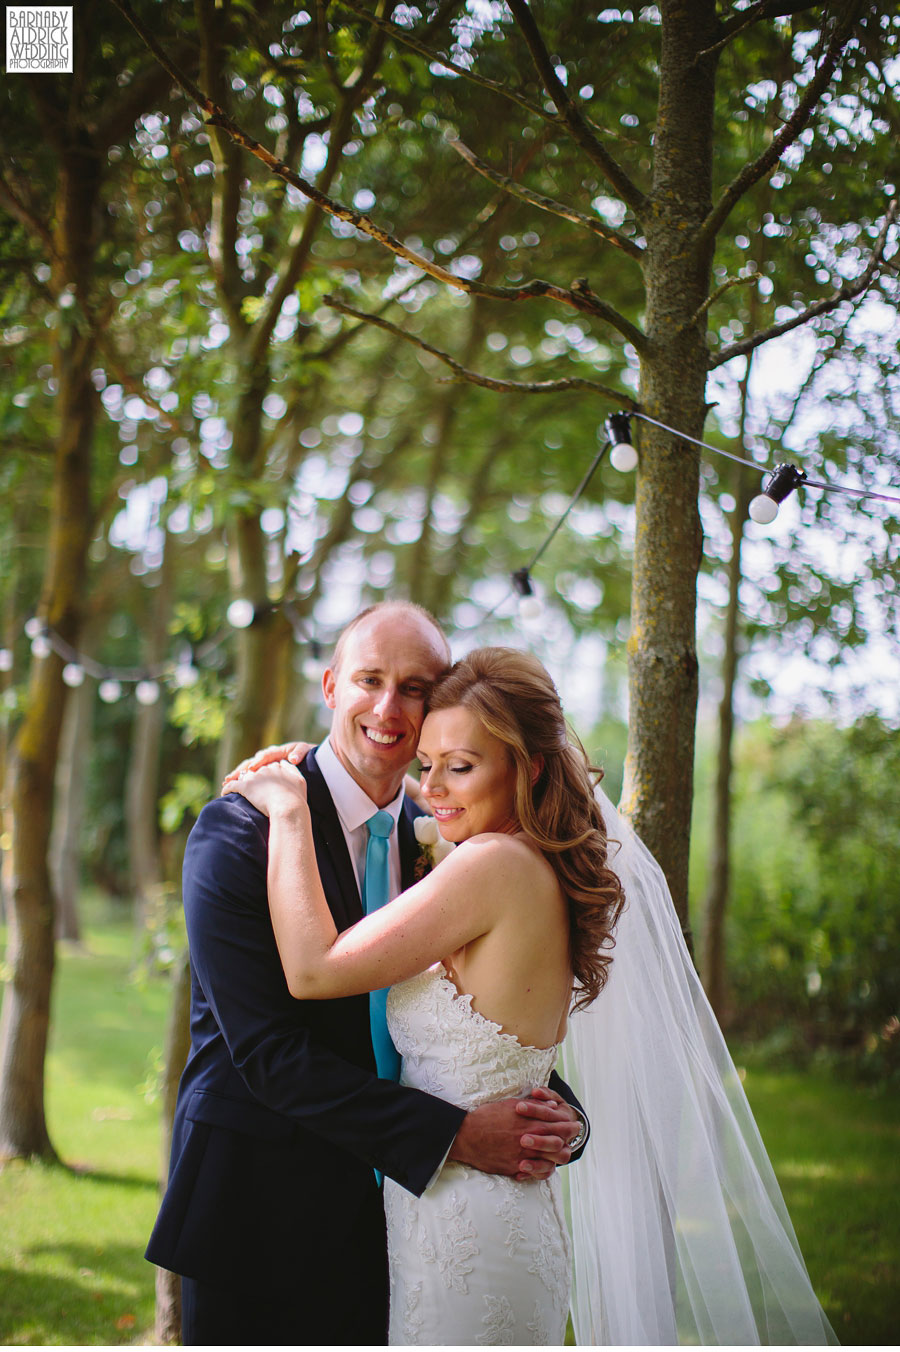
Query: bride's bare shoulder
column 508, row 852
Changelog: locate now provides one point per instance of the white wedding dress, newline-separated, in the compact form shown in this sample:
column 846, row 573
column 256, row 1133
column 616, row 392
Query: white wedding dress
column 479, row 1259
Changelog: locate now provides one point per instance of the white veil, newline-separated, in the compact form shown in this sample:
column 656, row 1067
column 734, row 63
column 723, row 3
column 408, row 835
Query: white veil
column 680, row 1231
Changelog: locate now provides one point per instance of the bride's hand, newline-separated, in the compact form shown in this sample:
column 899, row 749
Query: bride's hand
column 294, row 752
column 279, row 787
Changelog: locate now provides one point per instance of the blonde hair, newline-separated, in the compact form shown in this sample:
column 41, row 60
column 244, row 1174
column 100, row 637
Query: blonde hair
column 512, row 695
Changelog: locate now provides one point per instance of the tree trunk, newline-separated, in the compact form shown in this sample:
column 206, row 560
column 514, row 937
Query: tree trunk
column 178, row 1041
column 746, row 484
column 25, row 1019
column 661, row 649
column 65, row 843
column 8, row 627
column 142, row 785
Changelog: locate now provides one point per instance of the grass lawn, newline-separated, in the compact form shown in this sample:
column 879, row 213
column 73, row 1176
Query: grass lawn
column 835, row 1146
column 71, row 1239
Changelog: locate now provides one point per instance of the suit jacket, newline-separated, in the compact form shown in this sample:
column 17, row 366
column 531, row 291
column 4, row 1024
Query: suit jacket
column 281, row 1118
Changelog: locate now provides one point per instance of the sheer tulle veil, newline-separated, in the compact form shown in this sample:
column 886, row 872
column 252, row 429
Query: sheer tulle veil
column 680, row 1231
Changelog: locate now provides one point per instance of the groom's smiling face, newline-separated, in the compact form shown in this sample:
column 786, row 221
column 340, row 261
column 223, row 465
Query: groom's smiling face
column 387, row 666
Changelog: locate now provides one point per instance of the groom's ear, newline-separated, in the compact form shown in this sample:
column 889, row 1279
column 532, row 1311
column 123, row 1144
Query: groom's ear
column 537, row 769
column 328, row 684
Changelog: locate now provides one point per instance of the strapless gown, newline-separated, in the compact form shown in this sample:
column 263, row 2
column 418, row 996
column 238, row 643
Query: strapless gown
column 479, row 1259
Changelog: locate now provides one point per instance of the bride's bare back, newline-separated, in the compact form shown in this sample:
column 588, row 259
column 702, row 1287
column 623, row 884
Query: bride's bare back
column 518, row 972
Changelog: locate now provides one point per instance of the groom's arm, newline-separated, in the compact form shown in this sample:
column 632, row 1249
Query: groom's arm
column 400, row 1131
column 559, row 1086
column 269, row 1036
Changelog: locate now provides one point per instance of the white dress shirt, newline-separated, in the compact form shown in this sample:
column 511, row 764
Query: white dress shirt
column 354, row 808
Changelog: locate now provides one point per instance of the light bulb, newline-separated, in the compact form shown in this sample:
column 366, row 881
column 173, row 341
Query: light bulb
column 763, row 509
column 314, row 669
column 623, row 457
column 146, row 692
column 6, row 659
column 529, row 607
column 240, row 613
column 184, row 675
column 33, row 627
column 73, row 674
column 40, row 646
column 110, row 691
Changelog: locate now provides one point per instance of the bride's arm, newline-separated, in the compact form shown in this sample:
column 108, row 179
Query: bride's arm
column 453, row 905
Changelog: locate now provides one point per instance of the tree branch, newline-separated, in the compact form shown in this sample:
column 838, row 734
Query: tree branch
column 475, row 377
column 544, row 203
column 752, row 173
column 719, row 291
column 226, row 186
column 579, row 296
column 819, row 307
column 116, row 122
column 340, row 131
column 402, row 36
column 738, row 23
column 570, row 114
column 128, row 382
column 25, row 216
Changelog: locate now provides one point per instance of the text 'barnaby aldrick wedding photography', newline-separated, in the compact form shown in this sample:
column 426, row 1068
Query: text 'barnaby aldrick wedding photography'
column 39, row 39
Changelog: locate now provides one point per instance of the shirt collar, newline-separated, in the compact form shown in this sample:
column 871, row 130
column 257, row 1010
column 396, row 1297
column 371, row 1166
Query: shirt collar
column 354, row 806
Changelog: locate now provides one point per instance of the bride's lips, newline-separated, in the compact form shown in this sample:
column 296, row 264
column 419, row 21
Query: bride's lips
column 444, row 814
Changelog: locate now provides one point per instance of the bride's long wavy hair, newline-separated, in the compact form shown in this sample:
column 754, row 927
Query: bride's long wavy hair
column 513, row 696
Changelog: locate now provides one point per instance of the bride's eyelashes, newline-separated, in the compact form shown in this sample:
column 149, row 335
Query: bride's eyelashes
column 454, row 769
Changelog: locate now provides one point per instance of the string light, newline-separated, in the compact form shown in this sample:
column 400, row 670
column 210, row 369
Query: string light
column 529, row 604
column 241, row 613
column 623, row 456
column 180, row 673
column 753, row 464
column 146, row 692
column 185, row 675
column 778, row 485
column 314, row 666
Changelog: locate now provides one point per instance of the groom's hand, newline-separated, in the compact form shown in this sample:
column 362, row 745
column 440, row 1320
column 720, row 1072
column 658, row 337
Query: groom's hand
column 522, row 1138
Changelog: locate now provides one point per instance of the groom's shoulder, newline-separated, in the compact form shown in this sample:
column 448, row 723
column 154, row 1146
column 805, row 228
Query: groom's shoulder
column 229, row 823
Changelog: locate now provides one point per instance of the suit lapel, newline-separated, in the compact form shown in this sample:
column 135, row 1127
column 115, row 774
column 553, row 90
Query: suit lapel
column 332, row 855
column 406, row 840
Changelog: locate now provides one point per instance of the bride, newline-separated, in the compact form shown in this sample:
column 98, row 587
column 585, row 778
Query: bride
column 515, row 939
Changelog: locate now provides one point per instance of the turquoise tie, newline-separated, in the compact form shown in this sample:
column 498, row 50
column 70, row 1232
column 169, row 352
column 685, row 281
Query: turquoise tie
column 375, row 894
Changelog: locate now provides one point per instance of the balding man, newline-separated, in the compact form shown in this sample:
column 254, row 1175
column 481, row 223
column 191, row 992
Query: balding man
column 273, row 1215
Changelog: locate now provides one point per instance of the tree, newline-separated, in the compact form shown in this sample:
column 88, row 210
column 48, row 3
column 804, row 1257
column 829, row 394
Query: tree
column 62, row 136
column 672, row 208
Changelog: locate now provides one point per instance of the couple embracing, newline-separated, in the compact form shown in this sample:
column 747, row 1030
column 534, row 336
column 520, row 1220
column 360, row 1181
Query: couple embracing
column 301, row 1085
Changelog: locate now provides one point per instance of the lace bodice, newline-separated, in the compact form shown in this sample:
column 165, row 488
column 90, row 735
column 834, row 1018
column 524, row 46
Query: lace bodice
column 452, row 1051
column 478, row 1259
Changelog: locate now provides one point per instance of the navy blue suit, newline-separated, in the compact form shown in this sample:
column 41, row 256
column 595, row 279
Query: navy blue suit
column 272, row 1210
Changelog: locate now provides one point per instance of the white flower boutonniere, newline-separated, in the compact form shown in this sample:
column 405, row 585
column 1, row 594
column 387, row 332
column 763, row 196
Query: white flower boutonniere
column 432, row 846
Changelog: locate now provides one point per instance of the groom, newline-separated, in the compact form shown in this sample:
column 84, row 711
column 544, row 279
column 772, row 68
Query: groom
column 273, row 1215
